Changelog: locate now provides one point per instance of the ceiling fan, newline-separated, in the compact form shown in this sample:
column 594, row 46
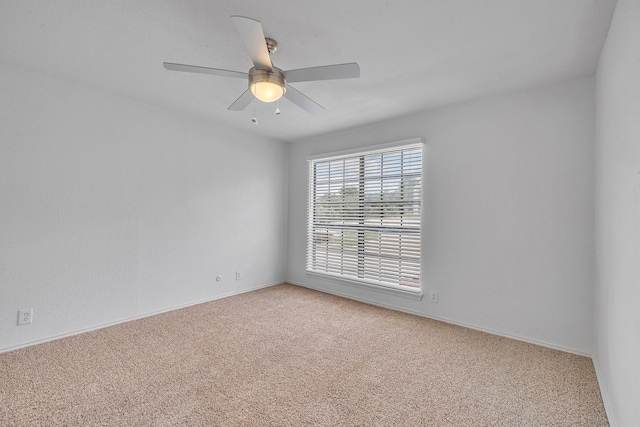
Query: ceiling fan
column 267, row 82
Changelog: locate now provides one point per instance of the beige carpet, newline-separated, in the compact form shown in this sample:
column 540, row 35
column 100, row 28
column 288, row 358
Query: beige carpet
column 289, row 356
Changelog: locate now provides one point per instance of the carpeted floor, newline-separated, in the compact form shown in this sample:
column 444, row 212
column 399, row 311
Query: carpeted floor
column 289, row 356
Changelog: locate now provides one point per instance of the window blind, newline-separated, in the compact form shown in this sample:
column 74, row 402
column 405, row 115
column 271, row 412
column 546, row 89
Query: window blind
column 364, row 216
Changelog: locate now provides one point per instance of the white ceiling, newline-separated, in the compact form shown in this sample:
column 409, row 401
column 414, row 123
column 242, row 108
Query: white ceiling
column 413, row 55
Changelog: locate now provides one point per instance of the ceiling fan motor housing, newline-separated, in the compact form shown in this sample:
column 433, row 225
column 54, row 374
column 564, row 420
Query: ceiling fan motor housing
column 267, row 86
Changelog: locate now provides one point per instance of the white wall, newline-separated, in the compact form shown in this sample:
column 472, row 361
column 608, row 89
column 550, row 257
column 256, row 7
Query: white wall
column 111, row 209
column 508, row 217
column 617, row 307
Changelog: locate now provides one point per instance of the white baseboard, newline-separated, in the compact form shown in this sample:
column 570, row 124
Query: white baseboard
column 446, row 320
column 604, row 394
column 117, row 322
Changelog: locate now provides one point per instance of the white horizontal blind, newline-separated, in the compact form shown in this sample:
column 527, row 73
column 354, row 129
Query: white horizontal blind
column 364, row 216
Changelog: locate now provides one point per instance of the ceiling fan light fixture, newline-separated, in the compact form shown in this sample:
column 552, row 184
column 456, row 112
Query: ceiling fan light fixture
column 267, row 86
column 266, row 82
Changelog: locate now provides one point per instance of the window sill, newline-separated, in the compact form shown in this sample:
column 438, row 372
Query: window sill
column 401, row 292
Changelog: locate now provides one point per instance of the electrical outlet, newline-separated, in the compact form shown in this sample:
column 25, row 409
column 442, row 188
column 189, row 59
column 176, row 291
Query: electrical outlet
column 25, row 316
column 238, row 275
column 434, row 296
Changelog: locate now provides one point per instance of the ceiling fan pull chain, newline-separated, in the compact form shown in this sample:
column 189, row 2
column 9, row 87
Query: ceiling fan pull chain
column 277, row 112
column 254, row 120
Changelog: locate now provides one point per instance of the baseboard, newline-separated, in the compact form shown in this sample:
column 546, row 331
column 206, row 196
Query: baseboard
column 605, row 395
column 117, row 322
column 446, row 320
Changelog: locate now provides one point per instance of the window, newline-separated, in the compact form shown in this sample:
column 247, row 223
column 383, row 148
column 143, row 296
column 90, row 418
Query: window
column 364, row 216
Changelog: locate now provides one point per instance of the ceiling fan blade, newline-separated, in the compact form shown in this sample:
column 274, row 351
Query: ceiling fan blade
column 204, row 70
column 326, row 72
column 303, row 101
column 242, row 102
column 253, row 38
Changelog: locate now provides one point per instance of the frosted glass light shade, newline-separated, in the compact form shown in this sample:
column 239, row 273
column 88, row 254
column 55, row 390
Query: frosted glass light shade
column 267, row 86
column 266, row 91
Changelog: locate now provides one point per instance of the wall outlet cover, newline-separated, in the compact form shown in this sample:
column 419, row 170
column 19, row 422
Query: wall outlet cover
column 433, row 296
column 25, row 316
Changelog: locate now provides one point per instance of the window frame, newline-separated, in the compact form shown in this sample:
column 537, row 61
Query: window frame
column 389, row 288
